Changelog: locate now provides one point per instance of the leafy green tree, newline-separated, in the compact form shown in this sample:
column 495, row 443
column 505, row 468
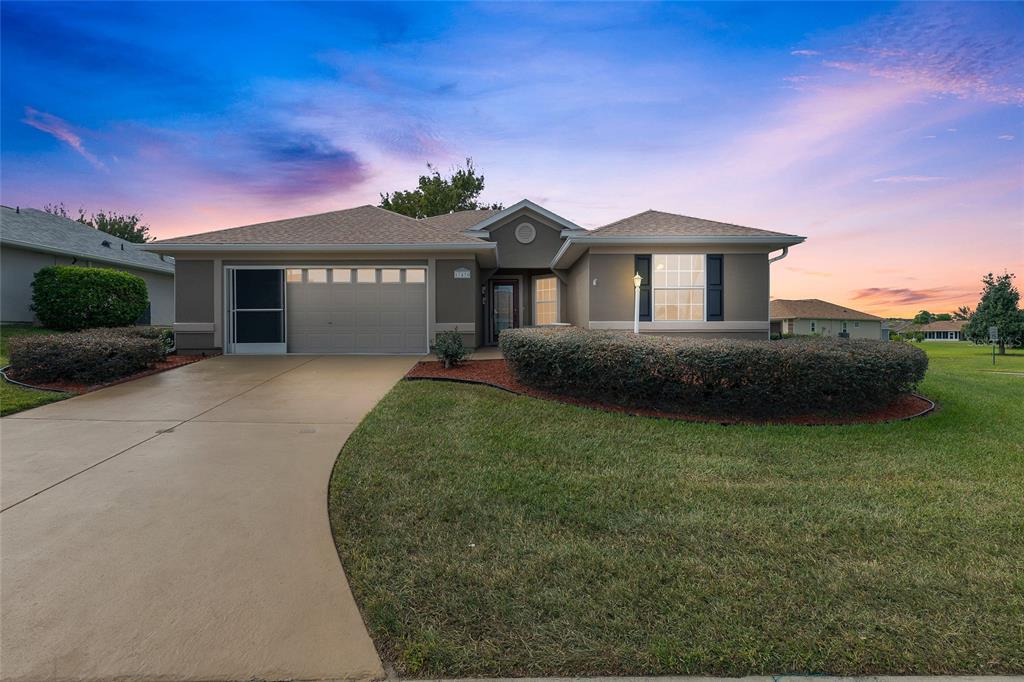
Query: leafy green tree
column 923, row 317
column 127, row 226
column 438, row 195
column 942, row 317
column 999, row 307
column 963, row 313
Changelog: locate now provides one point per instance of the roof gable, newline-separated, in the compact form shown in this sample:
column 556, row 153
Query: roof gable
column 492, row 221
column 653, row 223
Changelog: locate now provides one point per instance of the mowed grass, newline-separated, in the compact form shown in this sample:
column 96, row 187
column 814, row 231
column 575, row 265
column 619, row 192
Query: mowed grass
column 491, row 535
column 15, row 398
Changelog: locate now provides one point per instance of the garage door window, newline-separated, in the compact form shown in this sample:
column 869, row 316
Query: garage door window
column 294, row 275
column 366, row 276
column 316, row 276
column 415, row 276
column 388, row 276
column 341, row 276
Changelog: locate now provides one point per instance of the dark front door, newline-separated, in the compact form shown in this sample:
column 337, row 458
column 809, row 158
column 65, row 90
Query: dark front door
column 504, row 306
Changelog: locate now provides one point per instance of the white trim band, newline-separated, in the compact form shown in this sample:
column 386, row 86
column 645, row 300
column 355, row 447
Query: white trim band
column 194, row 327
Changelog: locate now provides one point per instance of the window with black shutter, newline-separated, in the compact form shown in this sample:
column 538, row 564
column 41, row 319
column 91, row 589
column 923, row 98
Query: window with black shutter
column 642, row 267
column 716, row 299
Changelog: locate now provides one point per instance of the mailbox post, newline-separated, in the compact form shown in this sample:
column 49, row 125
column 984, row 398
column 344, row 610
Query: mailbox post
column 993, row 337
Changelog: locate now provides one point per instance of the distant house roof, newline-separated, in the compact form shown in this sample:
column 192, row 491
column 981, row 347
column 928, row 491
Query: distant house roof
column 939, row 326
column 660, row 224
column 814, row 308
column 360, row 225
column 36, row 230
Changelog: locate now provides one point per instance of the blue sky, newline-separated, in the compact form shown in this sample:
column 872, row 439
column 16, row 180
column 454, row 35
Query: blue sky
column 889, row 134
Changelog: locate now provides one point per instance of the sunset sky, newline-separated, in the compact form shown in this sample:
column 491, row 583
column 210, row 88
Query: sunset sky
column 890, row 135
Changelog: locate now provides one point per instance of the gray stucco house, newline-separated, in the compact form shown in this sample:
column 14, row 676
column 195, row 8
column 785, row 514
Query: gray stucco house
column 366, row 280
column 31, row 240
column 814, row 317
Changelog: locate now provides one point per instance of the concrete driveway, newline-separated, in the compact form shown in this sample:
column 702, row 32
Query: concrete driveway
column 175, row 527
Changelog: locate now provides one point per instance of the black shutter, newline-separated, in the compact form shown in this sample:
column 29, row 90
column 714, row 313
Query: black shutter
column 716, row 301
column 642, row 265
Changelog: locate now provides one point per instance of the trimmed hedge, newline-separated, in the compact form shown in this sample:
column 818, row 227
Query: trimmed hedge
column 87, row 357
column 758, row 378
column 71, row 297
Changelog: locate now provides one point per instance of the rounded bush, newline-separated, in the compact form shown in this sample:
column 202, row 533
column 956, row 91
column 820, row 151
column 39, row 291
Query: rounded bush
column 87, row 357
column 70, row 298
column 759, row 378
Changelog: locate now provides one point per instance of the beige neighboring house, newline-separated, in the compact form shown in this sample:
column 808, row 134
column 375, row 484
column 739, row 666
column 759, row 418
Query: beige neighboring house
column 367, row 280
column 31, row 239
column 943, row 330
column 810, row 316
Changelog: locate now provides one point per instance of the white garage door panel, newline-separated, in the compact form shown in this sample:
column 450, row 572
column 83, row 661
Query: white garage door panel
column 351, row 317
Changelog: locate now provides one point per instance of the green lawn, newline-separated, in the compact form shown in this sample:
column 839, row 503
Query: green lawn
column 15, row 398
column 491, row 535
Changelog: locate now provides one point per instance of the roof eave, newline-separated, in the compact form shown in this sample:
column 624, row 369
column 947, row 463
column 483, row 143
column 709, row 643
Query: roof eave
column 167, row 247
column 166, row 268
column 779, row 241
column 481, row 228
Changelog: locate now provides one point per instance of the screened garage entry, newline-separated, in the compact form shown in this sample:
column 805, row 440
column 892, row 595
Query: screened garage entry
column 356, row 310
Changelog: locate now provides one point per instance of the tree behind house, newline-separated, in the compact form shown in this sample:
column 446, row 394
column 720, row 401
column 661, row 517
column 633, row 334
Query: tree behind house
column 437, row 195
column 127, row 226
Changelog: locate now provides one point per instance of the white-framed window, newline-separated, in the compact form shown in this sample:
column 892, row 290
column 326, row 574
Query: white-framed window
column 366, row 275
column 678, row 285
column 813, row 326
column 415, row 276
column 844, row 326
column 856, row 324
column 293, row 275
column 390, row 276
column 341, row 275
column 545, row 300
column 316, row 276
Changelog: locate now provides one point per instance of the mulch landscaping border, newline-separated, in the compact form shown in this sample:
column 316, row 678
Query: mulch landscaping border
column 496, row 374
column 169, row 363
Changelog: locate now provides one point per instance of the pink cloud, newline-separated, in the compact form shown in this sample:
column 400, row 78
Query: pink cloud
column 903, row 179
column 62, row 130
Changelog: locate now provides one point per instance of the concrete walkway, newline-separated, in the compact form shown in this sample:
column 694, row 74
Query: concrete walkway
column 176, row 528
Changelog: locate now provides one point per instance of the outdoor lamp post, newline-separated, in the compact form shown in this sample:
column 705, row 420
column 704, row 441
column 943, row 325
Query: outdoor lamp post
column 637, row 280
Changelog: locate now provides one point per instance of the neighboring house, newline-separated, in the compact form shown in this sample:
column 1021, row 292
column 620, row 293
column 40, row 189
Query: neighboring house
column 367, row 280
column 943, row 330
column 810, row 316
column 31, row 240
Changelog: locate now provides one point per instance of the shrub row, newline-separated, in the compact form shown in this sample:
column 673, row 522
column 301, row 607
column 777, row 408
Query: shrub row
column 758, row 378
column 87, row 357
column 71, row 297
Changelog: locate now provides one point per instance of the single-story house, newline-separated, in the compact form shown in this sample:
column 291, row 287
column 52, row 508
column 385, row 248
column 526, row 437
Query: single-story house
column 942, row 330
column 810, row 316
column 31, row 239
column 367, row 280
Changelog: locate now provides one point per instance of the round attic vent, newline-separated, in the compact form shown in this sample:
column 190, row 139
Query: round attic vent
column 525, row 233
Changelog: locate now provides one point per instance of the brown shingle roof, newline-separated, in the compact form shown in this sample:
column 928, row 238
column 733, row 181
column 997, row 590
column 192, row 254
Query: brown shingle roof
column 939, row 326
column 660, row 224
column 814, row 308
column 360, row 225
column 460, row 220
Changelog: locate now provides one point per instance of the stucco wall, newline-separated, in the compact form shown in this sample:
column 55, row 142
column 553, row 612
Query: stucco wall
column 745, row 291
column 864, row 329
column 578, row 295
column 193, row 299
column 456, row 299
column 536, row 254
column 611, row 299
column 18, row 266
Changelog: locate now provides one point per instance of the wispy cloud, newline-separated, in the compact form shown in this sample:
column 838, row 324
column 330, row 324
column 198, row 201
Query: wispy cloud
column 805, row 53
column 1007, row 137
column 896, row 296
column 942, row 50
column 63, row 131
column 903, row 179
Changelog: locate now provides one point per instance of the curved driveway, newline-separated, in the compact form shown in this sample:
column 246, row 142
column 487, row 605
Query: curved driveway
column 175, row 527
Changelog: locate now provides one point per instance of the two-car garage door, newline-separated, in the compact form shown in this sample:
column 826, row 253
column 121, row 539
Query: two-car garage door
column 356, row 310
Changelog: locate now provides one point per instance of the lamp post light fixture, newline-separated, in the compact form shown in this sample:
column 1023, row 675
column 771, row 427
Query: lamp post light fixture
column 637, row 281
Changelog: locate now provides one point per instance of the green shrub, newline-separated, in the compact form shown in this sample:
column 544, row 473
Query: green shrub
column 449, row 348
column 87, row 357
column 72, row 298
column 757, row 378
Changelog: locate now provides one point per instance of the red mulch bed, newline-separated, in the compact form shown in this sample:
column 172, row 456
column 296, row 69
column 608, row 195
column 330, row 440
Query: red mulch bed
column 170, row 362
column 497, row 374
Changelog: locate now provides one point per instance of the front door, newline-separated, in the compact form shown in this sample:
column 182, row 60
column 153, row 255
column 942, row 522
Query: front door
column 504, row 306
